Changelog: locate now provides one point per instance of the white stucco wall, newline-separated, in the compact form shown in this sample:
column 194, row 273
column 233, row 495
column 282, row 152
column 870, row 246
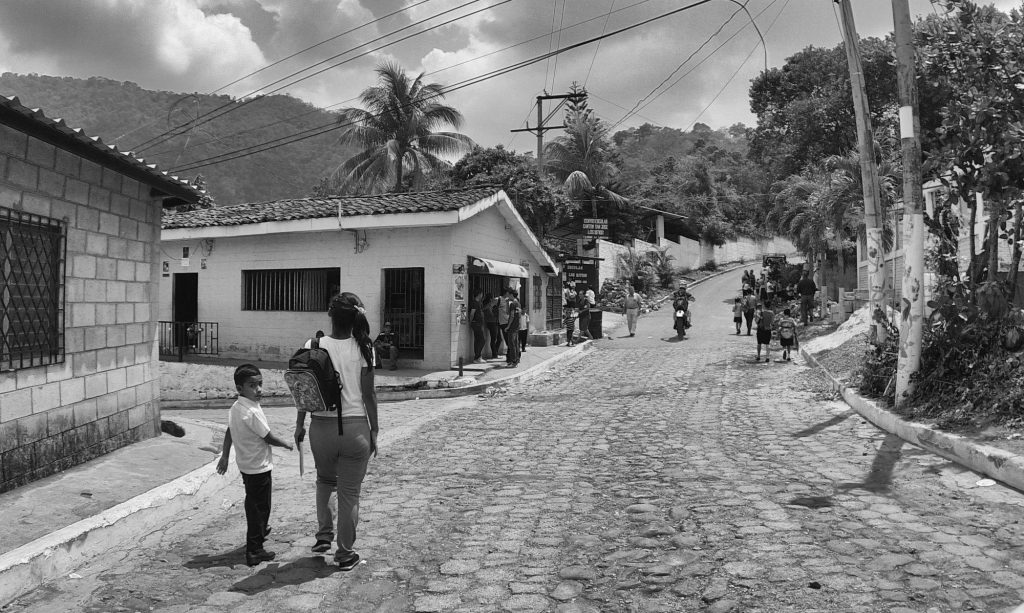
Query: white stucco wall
column 274, row 335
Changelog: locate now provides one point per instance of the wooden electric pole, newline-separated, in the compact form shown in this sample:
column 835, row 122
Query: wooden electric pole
column 540, row 129
column 911, row 333
column 868, row 169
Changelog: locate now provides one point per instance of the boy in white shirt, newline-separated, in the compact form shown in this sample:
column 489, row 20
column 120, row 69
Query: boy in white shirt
column 249, row 432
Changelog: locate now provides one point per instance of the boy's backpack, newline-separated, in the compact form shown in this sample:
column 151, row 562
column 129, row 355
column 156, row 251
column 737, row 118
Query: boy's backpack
column 787, row 328
column 766, row 321
column 312, row 380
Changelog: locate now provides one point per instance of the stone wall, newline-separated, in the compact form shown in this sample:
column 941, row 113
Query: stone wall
column 105, row 393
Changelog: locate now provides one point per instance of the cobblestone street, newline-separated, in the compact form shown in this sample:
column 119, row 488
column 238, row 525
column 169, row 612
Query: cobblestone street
column 649, row 475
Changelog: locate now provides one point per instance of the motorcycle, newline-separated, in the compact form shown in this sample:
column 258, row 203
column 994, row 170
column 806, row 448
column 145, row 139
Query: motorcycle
column 681, row 318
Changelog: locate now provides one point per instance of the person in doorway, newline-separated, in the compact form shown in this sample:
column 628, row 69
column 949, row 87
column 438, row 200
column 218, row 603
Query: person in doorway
column 632, row 307
column 807, row 289
column 490, row 312
column 583, row 307
column 568, row 295
column 476, row 324
column 524, row 330
column 503, row 316
column 511, row 328
column 386, row 344
column 342, row 444
column 764, row 320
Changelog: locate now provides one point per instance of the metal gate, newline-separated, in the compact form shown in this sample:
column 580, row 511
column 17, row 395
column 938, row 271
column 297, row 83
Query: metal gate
column 403, row 306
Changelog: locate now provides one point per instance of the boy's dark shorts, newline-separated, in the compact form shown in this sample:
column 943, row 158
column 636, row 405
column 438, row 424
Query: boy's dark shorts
column 786, row 342
column 737, row 319
column 764, row 337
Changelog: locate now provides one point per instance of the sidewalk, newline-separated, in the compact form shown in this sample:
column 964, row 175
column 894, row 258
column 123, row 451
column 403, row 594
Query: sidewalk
column 55, row 525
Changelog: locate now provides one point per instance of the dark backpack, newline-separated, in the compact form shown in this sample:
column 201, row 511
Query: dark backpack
column 312, row 380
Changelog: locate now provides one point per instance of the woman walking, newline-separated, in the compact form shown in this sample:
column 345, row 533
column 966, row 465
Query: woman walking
column 632, row 305
column 342, row 444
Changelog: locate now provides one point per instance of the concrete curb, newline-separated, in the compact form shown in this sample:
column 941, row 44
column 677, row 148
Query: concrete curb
column 58, row 553
column 996, row 463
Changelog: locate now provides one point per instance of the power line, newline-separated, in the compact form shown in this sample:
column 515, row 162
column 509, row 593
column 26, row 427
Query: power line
column 551, row 40
column 678, row 68
column 554, row 71
column 315, row 45
column 439, row 70
column 737, row 71
column 460, row 85
column 607, row 18
column 232, row 106
column 742, row 7
column 707, row 57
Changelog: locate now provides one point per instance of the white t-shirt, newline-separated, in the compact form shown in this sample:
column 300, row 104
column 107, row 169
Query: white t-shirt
column 349, row 362
column 248, row 426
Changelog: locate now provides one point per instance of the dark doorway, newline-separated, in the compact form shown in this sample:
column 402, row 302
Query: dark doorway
column 186, row 304
column 403, row 306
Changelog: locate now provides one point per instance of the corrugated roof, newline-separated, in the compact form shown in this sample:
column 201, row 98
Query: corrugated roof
column 315, row 208
column 57, row 129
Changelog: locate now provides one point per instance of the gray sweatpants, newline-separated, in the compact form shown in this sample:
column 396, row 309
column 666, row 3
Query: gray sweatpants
column 340, row 467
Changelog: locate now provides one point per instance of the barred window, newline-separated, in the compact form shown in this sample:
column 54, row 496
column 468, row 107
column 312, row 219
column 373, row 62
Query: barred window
column 306, row 289
column 32, row 252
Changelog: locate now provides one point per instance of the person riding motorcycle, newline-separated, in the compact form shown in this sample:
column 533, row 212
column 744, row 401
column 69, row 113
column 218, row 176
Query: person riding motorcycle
column 681, row 300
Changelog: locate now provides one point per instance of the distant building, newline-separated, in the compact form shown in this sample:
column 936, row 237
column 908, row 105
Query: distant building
column 262, row 273
column 79, row 227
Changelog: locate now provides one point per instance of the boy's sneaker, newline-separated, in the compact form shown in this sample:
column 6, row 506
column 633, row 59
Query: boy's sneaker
column 256, row 557
column 321, row 546
column 349, row 563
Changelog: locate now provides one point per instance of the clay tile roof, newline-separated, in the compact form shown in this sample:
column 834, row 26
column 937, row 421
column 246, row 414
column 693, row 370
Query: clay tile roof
column 14, row 113
column 314, row 208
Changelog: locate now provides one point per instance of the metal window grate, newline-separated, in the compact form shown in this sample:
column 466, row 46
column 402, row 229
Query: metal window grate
column 308, row 289
column 404, row 306
column 554, row 304
column 32, row 252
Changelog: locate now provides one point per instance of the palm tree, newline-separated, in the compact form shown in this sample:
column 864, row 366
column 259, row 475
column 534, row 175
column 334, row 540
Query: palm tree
column 396, row 134
column 582, row 158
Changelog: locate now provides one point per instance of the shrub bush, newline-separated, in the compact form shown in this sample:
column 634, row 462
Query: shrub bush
column 709, row 266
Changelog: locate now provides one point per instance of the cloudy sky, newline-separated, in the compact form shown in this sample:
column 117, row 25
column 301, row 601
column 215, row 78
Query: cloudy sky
column 204, row 45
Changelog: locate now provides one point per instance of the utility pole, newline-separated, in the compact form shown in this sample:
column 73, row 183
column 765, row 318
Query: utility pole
column 868, row 169
column 911, row 333
column 540, row 129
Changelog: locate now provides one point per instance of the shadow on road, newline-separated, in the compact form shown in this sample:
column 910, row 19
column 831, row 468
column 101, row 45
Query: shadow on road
column 275, row 575
column 880, row 476
column 816, row 428
column 230, row 558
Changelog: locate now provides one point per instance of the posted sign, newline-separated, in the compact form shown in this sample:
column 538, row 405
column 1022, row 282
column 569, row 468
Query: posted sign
column 594, row 227
column 581, row 272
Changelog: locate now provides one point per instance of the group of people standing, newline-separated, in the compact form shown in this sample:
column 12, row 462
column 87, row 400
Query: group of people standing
column 576, row 306
column 504, row 320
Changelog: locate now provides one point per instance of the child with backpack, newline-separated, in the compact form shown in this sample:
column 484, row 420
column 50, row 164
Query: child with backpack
column 787, row 334
column 764, row 320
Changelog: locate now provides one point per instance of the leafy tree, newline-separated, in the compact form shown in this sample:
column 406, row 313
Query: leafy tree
column 583, row 158
column 804, row 110
column 974, row 63
column 541, row 207
column 397, row 134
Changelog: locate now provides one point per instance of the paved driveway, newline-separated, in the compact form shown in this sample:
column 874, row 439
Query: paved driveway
column 649, row 476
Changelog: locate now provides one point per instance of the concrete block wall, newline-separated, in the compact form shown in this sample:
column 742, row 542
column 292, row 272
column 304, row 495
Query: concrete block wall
column 105, row 393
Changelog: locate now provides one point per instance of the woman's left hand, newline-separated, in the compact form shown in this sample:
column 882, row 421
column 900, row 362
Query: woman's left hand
column 373, row 441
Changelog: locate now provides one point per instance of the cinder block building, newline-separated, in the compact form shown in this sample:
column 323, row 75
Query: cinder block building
column 79, row 229
column 261, row 274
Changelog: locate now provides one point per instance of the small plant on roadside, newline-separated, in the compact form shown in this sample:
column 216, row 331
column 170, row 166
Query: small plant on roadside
column 878, row 374
column 709, row 266
column 637, row 268
column 661, row 261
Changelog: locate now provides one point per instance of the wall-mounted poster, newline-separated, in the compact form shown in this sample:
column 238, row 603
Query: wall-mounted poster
column 460, row 288
column 166, row 268
column 458, row 269
column 460, row 313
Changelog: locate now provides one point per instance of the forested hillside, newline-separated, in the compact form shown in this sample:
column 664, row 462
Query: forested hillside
column 126, row 115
